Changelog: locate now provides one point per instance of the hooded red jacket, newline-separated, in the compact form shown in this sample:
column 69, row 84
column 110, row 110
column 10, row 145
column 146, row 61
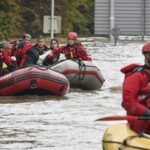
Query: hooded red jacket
column 135, row 82
column 6, row 58
column 22, row 54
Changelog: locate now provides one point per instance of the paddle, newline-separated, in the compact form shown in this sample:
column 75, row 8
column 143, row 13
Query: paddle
column 115, row 118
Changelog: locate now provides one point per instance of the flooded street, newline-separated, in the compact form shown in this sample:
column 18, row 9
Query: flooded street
column 67, row 123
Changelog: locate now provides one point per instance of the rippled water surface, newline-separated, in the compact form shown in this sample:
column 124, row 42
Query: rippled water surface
column 67, row 123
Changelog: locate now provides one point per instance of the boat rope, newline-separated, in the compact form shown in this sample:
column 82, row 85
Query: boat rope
column 82, row 67
column 49, row 67
column 39, row 67
column 122, row 144
column 125, row 141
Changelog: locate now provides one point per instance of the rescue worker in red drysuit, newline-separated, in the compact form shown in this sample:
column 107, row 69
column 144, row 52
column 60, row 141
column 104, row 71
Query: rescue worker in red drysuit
column 19, row 49
column 136, row 92
column 7, row 63
column 72, row 50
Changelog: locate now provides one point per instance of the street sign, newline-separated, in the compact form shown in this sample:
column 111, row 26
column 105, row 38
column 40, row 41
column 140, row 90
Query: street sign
column 47, row 24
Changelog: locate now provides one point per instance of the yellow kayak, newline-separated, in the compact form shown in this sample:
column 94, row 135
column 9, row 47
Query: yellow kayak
column 121, row 137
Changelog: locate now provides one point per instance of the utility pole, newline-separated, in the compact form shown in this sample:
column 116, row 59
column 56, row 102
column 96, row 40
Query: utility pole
column 143, row 18
column 52, row 19
column 112, row 18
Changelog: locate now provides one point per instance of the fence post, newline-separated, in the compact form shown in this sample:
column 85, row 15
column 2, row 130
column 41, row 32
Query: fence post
column 143, row 19
column 112, row 18
column 52, row 19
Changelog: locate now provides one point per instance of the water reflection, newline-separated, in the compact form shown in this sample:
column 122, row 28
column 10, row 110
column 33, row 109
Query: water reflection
column 28, row 98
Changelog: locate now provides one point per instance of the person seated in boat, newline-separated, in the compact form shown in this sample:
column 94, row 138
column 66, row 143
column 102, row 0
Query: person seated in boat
column 12, row 64
column 21, row 48
column 33, row 53
column 7, row 62
column 73, row 49
column 25, row 40
column 136, row 92
column 52, row 60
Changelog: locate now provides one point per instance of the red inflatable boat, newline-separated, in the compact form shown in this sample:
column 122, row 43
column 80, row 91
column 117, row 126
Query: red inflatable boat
column 33, row 80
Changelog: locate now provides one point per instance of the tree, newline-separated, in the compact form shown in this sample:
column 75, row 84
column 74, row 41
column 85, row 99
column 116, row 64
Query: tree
column 76, row 15
column 26, row 16
column 8, row 11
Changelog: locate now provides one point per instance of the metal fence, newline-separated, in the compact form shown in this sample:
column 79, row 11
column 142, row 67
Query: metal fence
column 132, row 17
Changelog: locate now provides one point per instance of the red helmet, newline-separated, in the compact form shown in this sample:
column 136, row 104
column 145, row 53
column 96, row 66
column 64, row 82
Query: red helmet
column 146, row 47
column 72, row 36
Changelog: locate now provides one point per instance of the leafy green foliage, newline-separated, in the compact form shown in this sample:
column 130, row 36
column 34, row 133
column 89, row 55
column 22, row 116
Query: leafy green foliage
column 8, row 11
column 77, row 15
column 26, row 16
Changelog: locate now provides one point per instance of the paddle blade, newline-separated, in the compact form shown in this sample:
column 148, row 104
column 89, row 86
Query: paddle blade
column 116, row 118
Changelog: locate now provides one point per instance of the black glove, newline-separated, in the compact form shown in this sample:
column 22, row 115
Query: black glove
column 147, row 112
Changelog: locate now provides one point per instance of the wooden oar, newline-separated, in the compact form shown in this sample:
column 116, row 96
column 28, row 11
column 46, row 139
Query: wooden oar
column 116, row 118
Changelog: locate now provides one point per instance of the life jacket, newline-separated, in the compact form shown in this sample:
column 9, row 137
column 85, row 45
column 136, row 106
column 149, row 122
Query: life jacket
column 144, row 93
column 22, row 54
column 5, row 62
column 71, row 52
column 1, row 60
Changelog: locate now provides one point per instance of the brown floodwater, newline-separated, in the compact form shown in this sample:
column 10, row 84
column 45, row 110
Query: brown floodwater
column 67, row 123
